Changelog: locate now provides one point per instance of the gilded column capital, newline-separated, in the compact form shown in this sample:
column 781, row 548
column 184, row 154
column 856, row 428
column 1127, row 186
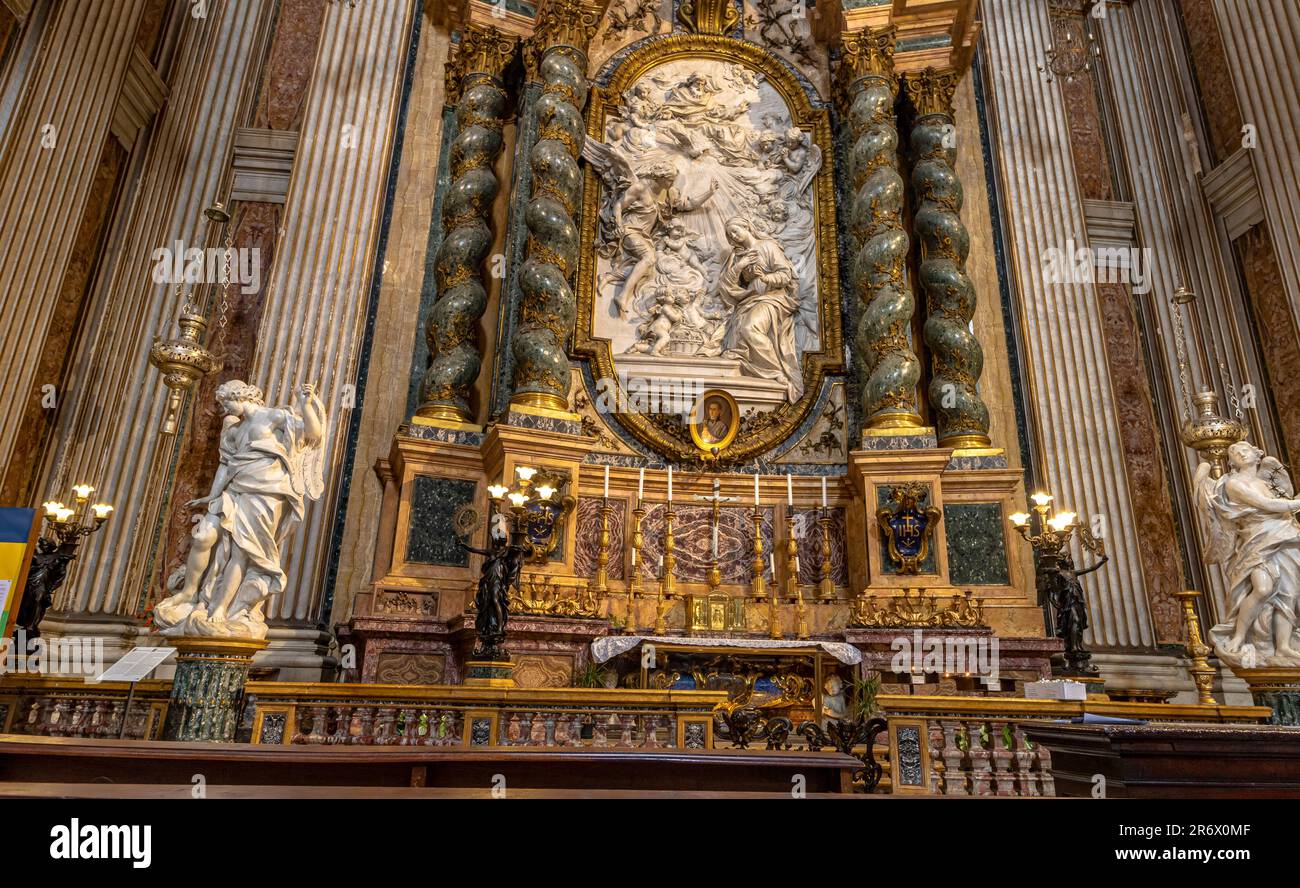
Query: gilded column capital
column 932, row 91
column 567, row 25
column 867, row 53
column 482, row 50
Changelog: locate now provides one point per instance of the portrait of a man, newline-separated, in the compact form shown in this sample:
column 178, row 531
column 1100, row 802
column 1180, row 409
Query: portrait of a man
column 714, row 421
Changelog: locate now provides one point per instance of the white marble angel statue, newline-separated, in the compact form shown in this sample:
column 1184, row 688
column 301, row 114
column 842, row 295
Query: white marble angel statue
column 271, row 462
column 1250, row 529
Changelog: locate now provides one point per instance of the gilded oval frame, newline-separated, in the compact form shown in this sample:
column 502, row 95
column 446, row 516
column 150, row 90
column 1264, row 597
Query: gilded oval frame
column 712, row 449
column 816, row 121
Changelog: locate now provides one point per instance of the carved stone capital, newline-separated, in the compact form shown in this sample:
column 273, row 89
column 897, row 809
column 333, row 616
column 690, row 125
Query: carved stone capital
column 708, row 16
column 932, row 91
column 482, row 50
column 867, row 52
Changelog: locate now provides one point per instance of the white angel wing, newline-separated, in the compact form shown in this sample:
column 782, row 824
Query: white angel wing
column 1217, row 532
column 1278, row 478
column 811, row 168
column 609, row 162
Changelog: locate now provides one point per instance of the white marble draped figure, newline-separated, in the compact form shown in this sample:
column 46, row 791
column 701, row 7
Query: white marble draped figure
column 1248, row 521
column 758, row 285
column 271, row 461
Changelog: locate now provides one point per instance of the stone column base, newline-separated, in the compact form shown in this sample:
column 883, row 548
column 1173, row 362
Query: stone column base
column 490, row 673
column 1278, row 688
column 209, row 683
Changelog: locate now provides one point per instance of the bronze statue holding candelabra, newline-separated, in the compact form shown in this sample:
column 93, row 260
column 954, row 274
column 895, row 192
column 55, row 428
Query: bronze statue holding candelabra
column 65, row 528
column 1058, row 583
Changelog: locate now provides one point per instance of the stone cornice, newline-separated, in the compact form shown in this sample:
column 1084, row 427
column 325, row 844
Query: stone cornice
column 930, row 34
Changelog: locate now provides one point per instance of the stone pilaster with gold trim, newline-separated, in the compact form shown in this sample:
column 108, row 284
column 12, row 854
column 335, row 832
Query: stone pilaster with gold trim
column 474, row 85
column 890, row 370
column 961, row 418
column 558, row 61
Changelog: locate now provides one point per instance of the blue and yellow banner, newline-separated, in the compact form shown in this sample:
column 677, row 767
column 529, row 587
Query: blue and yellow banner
column 17, row 531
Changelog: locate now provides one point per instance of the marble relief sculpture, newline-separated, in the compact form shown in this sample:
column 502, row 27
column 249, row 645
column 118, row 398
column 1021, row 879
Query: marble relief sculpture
column 1248, row 520
column 271, row 464
column 707, row 245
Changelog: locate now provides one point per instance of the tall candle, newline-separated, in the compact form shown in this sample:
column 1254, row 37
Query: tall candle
column 823, row 488
column 640, row 485
column 634, row 557
column 670, row 484
column 607, row 485
column 771, row 562
column 789, row 489
column 756, row 491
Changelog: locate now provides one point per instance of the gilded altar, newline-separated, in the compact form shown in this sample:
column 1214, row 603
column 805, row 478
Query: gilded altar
column 711, row 324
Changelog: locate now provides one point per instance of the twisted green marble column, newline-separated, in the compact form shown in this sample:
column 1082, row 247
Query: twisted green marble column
column 473, row 75
column 890, row 369
column 961, row 418
column 548, row 306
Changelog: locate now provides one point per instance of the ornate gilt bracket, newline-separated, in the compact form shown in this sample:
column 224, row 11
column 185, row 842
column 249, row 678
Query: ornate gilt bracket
column 708, row 16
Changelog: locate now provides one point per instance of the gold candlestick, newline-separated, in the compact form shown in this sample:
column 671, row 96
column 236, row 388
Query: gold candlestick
column 602, row 556
column 669, row 582
column 800, row 615
column 634, row 581
column 759, row 585
column 826, row 588
column 791, row 561
column 774, row 613
column 1197, row 650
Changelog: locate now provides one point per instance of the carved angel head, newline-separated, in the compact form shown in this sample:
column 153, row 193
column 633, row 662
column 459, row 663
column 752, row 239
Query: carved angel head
column 233, row 394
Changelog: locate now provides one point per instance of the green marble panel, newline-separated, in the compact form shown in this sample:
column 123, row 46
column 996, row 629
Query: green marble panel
column 977, row 546
column 434, row 502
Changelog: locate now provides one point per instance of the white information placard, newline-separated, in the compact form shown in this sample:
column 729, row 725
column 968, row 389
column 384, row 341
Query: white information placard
column 136, row 664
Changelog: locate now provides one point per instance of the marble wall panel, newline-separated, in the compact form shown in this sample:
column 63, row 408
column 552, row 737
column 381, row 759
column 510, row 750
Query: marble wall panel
column 692, row 536
column 810, row 547
column 587, row 540
column 977, row 546
column 434, row 502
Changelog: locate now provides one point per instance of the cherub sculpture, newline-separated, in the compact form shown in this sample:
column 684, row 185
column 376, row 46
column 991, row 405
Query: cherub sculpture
column 1248, row 520
column 271, row 463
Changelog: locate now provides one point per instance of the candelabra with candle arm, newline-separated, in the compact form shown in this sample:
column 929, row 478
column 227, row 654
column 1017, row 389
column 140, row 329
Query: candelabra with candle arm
column 1058, row 580
column 63, row 530
column 668, row 582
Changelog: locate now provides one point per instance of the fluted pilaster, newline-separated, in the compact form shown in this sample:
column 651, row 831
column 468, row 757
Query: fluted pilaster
column 890, row 369
column 1262, row 41
column 961, row 418
column 474, row 83
column 548, row 309
column 107, row 430
column 314, row 320
column 1070, row 395
column 47, row 168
